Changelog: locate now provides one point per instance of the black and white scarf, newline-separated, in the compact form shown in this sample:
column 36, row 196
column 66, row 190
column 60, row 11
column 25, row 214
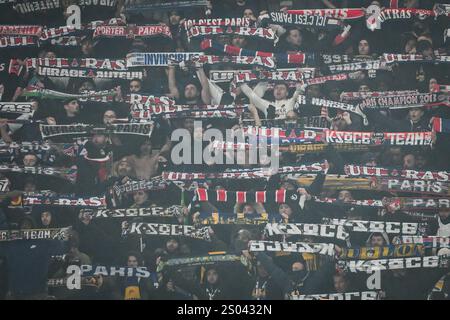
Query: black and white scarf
column 354, row 295
column 361, row 95
column 69, row 174
column 290, row 75
column 421, row 138
column 369, row 266
column 36, row 199
column 141, row 129
column 378, row 138
column 307, row 229
column 96, row 96
column 358, row 66
column 17, row 107
column 87, row 73
column 139, row 111
column 198, row 261
column 17, row 149
column 389, row 58
column 158, row 59
column 389, row 227
column 405, row 101
column 85, row 63
column 156, row 183
column 35, row 234
column 338, row 182
column 397, row 203
column 5, row 184
column 297, row 247
column 172, row 211
column 163, row 229
column 319, row 102
column 114, row 271
column 140, row 101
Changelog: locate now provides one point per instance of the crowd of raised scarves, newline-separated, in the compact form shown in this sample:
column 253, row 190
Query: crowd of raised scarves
column 357, row 97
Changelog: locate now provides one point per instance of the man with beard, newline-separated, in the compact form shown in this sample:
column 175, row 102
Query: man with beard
column 125, row 168
column 147, row 163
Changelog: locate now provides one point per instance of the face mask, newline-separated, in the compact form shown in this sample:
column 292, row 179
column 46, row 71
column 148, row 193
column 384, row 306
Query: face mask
column 298, row 276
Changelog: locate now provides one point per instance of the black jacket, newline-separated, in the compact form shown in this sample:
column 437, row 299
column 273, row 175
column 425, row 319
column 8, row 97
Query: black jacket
column 383, row 123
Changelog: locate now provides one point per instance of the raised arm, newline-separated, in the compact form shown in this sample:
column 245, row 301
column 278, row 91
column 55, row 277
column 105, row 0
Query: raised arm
column 173, row 89
column 4, row 131
column 206, row 95
column 259, row 102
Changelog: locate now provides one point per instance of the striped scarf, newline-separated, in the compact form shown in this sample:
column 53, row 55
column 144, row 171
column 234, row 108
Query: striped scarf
column 277, row 196
column 257, row 33
column 290, row 58
column 441, row 125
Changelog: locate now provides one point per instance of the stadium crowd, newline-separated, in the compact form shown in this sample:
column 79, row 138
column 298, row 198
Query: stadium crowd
column 112, row 188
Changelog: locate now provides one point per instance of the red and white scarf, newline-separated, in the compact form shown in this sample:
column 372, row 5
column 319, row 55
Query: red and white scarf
column 257, row 33
column 277, row 196
column 359, row 171
column 344, row 13
column 132, row 31
column 401, row 57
